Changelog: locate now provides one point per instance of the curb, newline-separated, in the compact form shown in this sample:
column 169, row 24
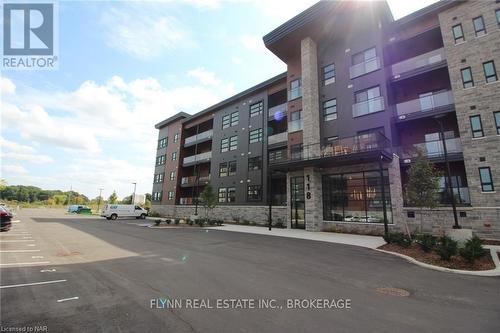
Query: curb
column 490, row 272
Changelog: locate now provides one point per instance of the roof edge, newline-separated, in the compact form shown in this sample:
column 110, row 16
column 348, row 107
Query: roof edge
column 169, row 120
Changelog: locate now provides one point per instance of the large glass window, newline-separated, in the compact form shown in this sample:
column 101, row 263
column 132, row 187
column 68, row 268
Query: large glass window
column 255, row 135
column 356, row 197
column 231, row 168
column 330, row 110
column 176, row 137
column 231, row 194
column 223, row 169
column 256, row 109
column 254, row 193
column 233, row 143
column 172, row 175
column 458, row 33
column 368, row 101
column 157, row 196
column 476, row 126
column 174, row 156
column 170, row 195
column 497, row 13
column 277, row 155
column 160, row 160
column 296, row 151
column 467, row 79
column 486, row 180
column 224, row 145
column 295, row 91
column 364, row 56
column 490, row 73
column 255, row 163
column 230, row 120
column 328, row 74
column 159, row 178
column 497, row 121
column 479, row 26
column 162, row 143
column 222, row 194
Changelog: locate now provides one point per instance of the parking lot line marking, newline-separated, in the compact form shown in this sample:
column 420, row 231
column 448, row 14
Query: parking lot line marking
column 37, row 257
column 14, row 235
column 15, row 221
column 14, row 251
column 67, row 299
column 47, row 270
column 31, row 284
column 31, row 244
column 15, row 241
column 26, row 263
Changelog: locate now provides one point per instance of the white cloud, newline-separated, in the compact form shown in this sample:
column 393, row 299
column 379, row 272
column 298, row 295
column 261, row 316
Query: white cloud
column 11, row 145
column 206, row 78
column 31, row 158
column 252, row 43
column 6, row 86
column 14, row 169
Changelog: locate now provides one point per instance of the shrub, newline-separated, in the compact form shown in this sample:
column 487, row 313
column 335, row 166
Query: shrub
column 199, row 222
column 473, row 249
column 398, row 238
column 219, row 222
column 168, row 221
column 212, row 222
column 279, row 224
column 426, row 242
column 446, row 247
column 154, row 214
column 189, row 221
column 246, row 222
column 253, row 223
column 176, row 221
column 157, row 222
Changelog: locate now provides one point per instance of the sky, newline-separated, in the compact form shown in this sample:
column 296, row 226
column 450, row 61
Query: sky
column 123, row 67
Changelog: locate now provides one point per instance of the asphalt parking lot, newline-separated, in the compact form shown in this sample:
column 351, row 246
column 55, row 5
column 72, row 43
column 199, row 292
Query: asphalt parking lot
column 67, row 273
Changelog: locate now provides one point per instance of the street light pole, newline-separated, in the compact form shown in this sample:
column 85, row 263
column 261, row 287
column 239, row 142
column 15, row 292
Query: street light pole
column 448, row 174
column 99, row 200
column 133, row 195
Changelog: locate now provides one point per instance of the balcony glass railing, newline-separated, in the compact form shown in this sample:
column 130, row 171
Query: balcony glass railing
column 419, row 61
column 186, row 201
column 370, row 106
column 191, row 180
column 365, row 67
column 277, row 138
column 278, row 112
column 295, row 125
column 425, row 103
column 375, row 141
column 431, row 149
column 203, row 157
column 294, row 93
column 201, row 136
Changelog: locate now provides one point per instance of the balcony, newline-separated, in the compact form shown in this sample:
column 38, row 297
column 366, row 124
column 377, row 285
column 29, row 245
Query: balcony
column 364, row 68
column 432, row 149
column 200, row 137
column 191, row 181
column 294, row 93
column 197, row 159
column 430, row 104
column 349, row 150
column 295, row 125
column 278, row 112
column 419, row 64
column 277, row 138
column 370, row 106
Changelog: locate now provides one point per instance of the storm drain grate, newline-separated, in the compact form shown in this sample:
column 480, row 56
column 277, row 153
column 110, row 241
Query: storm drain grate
column 393, row 292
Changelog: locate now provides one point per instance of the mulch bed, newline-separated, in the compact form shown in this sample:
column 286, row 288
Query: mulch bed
column 491, row 242
column 432, row 258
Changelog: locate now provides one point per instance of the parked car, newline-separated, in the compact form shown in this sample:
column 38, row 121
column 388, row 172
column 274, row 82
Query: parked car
column 75, row 208
column 112, row 211
column 5, row 218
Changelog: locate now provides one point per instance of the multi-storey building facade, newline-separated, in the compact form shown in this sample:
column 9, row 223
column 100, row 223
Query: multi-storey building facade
column 328, row 143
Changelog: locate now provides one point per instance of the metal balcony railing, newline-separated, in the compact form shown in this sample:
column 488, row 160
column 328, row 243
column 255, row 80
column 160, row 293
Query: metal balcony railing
column 295, row 125
column 278, row 112
column 198, row 137
column 365, row 67
column 370, row 106
column 200, row 158
column 426, row 103
column 419, row 61
column 277, row 138
column 431, row 149
column 186, row 201
column 191, row 180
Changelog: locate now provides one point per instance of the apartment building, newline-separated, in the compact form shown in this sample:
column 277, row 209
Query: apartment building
column 328, row 143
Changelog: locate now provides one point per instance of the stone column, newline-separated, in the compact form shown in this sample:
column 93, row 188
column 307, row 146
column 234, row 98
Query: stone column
column 314, row 202
column 396, row 189
column 310, row 97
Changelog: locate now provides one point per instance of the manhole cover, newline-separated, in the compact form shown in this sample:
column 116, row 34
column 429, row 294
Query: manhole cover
column 394, row 292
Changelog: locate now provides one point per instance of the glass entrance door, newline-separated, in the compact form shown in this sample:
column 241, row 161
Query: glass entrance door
column 297, row 203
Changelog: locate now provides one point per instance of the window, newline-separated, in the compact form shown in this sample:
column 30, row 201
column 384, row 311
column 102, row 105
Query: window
column 479, row 27
column 255, row 163
column 174, row 156
column 157, row 196
column 295, row 91
column 224, row 145
column 467, row 80
column 160, row 160
column 223, row 169
column 159, row 178
column 330, row 110
column 364, row 56
column 230, row 120
column 458, row 33
column 222, row 194
column 486, row 180
column 497, row 120
column 328, row 74
column 231, row 194
column 170, row 195
column 364, row 62
column 162, row 143
column 490, row 72
column 277, row 155
column 172, row 175
column 367, row 101
column 497, row 13
column 296, row 151
column 254, row 193
column 231, row 168
column 255, row 136
column 296, row 115
column 256, row 109
column 476, row 126
column 176, row 137
column 233, row 143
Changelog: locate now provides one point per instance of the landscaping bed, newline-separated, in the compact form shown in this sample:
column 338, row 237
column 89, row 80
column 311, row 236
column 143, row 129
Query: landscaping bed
column 441, row 251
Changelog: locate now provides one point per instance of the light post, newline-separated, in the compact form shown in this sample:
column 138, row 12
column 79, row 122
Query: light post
column 133, row 195
column 99, row 200
column 448, row 173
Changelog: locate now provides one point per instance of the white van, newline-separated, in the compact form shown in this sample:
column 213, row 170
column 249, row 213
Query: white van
column 112, row 212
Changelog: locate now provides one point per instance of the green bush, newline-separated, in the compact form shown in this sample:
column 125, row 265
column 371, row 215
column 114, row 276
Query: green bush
column 157, row 222
column 168, row 221
column 473, row 249
column 246, row 222
column 176, row 221
column 398, row 238
column 154, row 214
column 253, row 223
column 426, row 242
column 446, row 247
column 279, row 224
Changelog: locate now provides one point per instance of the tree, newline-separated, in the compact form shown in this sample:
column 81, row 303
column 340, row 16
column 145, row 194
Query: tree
column 113, row 198
column 422, row 189
column 208, row 199
column 127, row 200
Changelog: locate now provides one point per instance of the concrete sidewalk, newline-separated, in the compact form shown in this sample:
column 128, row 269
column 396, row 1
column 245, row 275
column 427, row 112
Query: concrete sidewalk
column 371, row 242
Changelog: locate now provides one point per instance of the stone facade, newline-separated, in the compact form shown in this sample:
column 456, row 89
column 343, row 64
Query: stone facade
column 313, row 199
